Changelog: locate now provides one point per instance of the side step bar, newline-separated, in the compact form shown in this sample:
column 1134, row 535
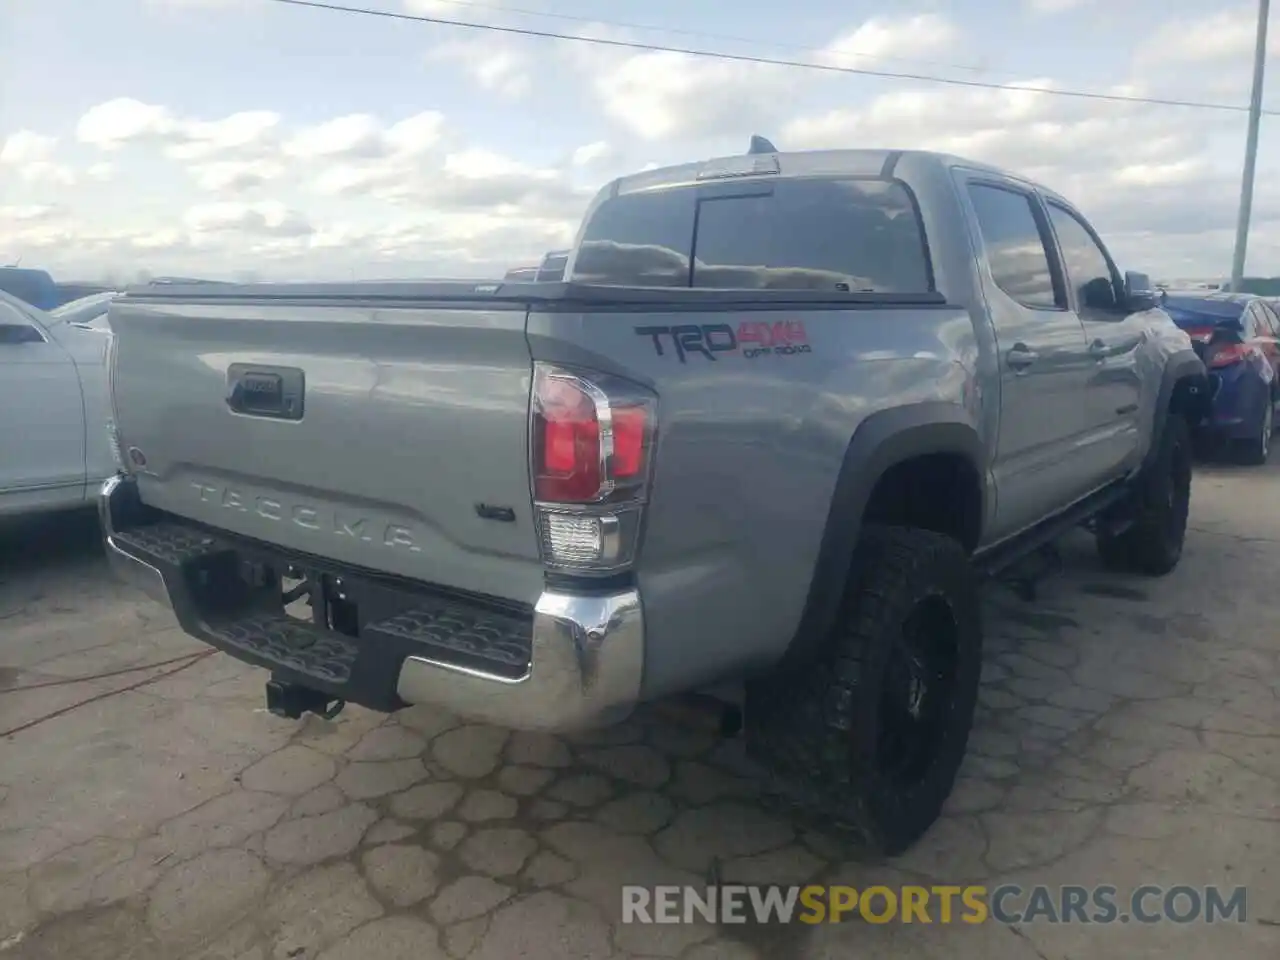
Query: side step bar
column 999, row 559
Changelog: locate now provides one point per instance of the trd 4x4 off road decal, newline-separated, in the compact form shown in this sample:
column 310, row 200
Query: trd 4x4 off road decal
column 752, row 338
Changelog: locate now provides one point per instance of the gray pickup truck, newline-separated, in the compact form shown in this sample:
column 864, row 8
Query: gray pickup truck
column 783, row 414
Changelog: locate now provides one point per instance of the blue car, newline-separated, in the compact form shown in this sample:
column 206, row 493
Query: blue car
column 1238, row 338
column 36, row 287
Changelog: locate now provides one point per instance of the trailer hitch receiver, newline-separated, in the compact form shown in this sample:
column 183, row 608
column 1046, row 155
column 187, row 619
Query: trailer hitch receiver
column 291, row 701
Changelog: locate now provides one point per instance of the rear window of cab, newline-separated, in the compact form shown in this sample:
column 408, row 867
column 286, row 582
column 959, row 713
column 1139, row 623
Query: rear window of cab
column 856, row 235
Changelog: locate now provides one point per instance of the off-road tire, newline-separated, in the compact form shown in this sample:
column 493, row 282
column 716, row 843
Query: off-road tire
column 817, row 727
column 1256, row 451
column 1152, row 543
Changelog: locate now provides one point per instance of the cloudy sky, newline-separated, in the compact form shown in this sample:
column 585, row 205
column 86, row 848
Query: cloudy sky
column 225, row 137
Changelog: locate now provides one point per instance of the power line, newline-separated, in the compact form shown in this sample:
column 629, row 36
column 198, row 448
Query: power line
column 677, row 31
column 760, row 61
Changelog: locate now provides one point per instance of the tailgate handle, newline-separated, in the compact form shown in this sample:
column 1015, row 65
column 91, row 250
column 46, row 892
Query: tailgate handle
column 265, row 391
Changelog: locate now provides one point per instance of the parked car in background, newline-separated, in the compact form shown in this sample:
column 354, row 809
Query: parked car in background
column 69, row 290
column 89, row 312
column 552, row 268
column 1238, row 337
column 54, row 410
column 35, row 287
column 38, row 288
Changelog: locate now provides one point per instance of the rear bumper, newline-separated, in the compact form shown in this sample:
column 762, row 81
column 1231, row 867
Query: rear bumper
column 1239, row 399
column 575, row 661
column 585, row 669
column 137, row 573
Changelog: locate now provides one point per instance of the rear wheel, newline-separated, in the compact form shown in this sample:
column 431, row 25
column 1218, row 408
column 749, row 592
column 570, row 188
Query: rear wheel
column 1257, row 449
column 871, row 734
column 1152, row 541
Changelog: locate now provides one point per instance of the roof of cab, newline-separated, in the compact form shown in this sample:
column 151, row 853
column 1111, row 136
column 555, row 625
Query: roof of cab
column 808, row 163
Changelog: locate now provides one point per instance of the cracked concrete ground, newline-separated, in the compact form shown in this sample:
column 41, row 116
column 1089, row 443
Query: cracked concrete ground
column 1129, row 732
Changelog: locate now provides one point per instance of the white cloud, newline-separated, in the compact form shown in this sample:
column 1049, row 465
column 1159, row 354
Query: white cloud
column 29, row 157
column 236, row 176
column 419, row 163
column 269, row 218
column 505, row 72
column 662, row 95
column 417, row 134
column 44, row 172
column 1021, row 126
column 1056, row 6
column 29, row 213
column 473, row 179
column 477, row 164
column 497, row 64
column 353, row 179
column 355, row 135
column 887, row 38
column 124, row 120
column 1213, row 38
column 246, row 131
column 959, row 120
column 202, row 4
column 1152, row 174
column 164, row 239
column 591, row 154
column 362, row 136
column 26, row 147
column 470, row 10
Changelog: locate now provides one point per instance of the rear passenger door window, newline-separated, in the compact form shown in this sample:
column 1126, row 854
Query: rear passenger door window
column 859, row 236
column 1015, row 244
column 1088, row 268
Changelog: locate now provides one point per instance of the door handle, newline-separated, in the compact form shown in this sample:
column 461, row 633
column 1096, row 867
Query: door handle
column 1020, row 357
column 1099, row 350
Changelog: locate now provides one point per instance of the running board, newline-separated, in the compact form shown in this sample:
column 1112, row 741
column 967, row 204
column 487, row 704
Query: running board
column 997, row 560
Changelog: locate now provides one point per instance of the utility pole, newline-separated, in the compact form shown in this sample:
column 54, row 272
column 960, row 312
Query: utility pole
column 1250, row 149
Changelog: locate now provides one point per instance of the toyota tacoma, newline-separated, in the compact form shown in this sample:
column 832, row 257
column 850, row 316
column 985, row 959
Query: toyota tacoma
column 783, row 414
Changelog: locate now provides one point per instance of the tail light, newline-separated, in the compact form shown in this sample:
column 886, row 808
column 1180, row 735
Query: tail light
column 1229, row 353
column 591, row 451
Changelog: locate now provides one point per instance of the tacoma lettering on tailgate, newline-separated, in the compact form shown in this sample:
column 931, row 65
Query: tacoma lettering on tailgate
column 333, row 522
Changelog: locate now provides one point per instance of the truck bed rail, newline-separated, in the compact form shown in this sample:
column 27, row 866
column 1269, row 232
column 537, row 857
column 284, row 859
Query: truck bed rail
column 550, row 296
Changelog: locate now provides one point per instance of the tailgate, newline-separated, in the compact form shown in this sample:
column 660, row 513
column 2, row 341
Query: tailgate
column 388, row 436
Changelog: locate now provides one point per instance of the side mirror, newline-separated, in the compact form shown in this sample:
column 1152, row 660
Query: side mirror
column 11, row 333
column 1139, row 294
